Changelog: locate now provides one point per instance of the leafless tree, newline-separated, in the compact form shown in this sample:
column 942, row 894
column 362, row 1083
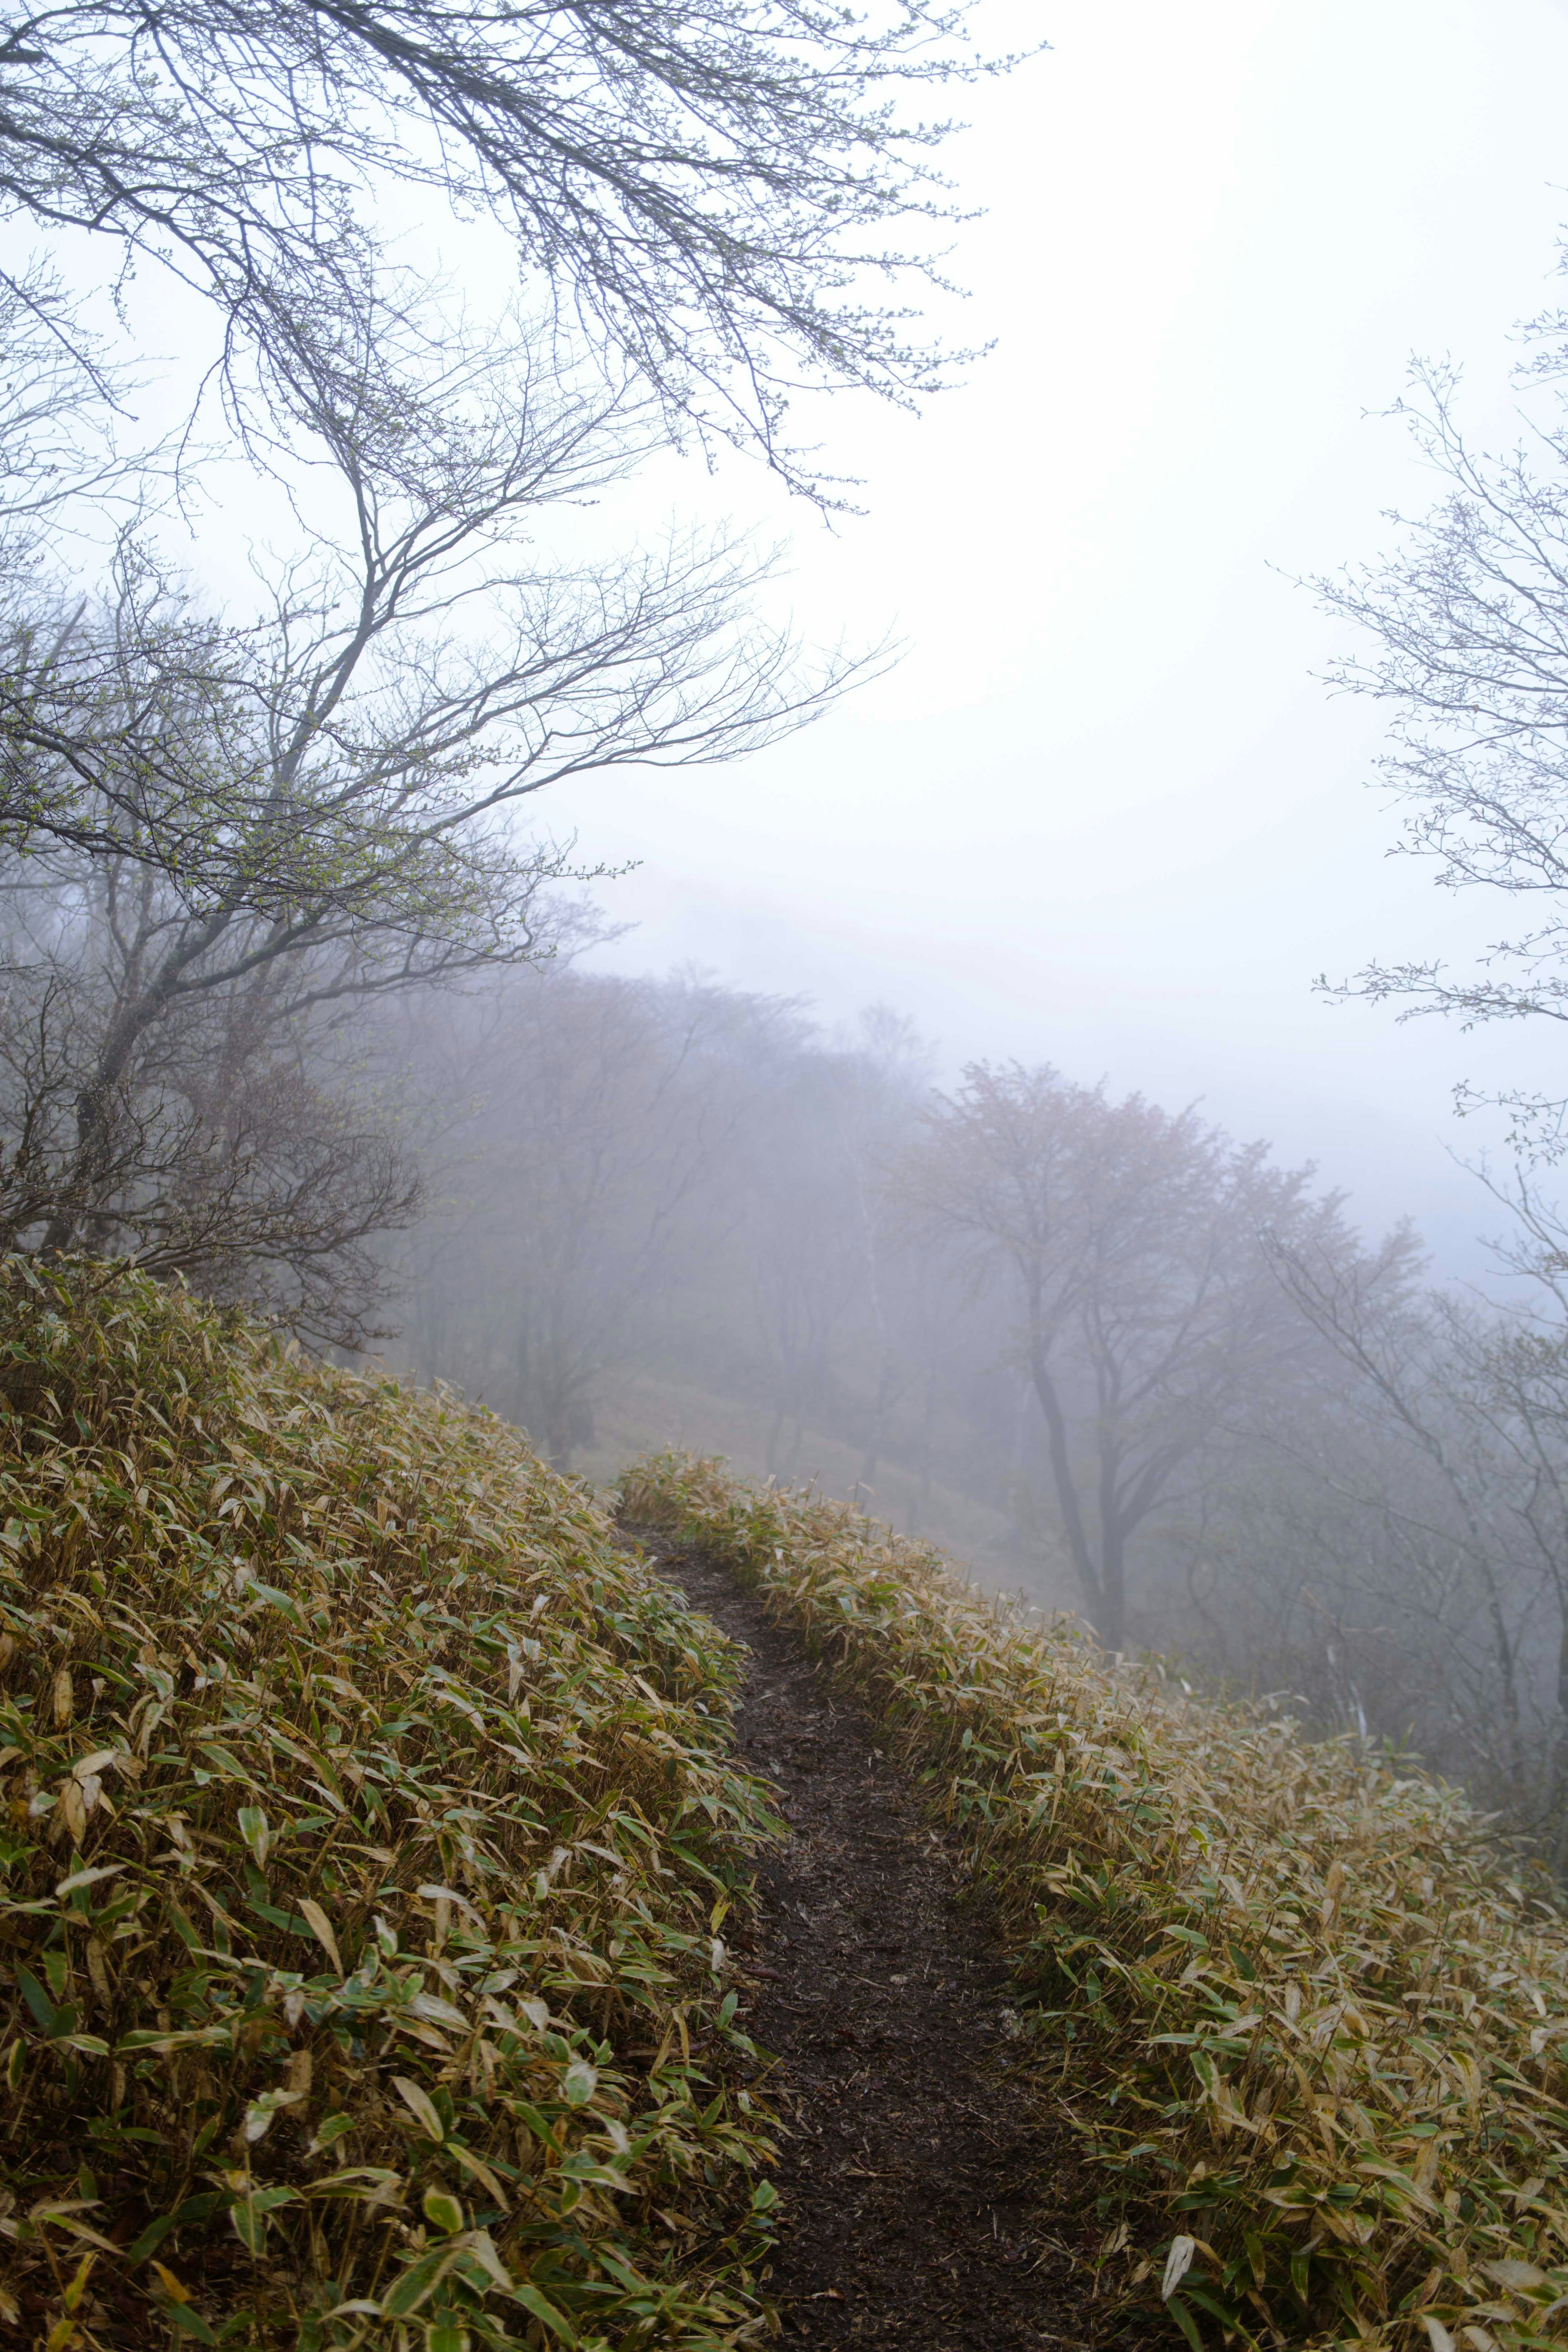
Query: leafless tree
column 233, row 831
column 415, row 669
column 241, row 1142
column 575, row 1192
column 1408, row 1348
column 707, row 188
column 1146, row 1316
column 1467, row 621
column 58, row 402
column 278, row 817
column 1421, row 1514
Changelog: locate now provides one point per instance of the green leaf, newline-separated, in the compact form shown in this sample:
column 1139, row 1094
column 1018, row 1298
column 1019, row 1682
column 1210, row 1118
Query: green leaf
column 267, row 2201
column 282, row 1601
column 369, row 2182
column 544, row 2310
column 51, row 2019
column 418, row 2282
column 183, row 1928
column 479, row 2244
column 1185, row 2322
column 152, row 2238
column 250, row 2226
column 420, row 2106
column 253, row 1829
column 443, row 2212
column 290, row 1922
column 1211, row 2303
column 579, row 2083
column 333, row 2129
column 261, row 2114
column 190, row 2321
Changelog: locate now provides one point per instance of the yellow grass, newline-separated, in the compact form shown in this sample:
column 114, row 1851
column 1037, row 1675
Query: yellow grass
column 368, row 1832
column 1310, row 2022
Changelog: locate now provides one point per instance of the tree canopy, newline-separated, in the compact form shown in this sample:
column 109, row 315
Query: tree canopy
column 709, row 190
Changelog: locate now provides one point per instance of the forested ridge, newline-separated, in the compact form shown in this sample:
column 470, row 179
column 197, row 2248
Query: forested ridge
column 1108, row 1352
column 398, row 1859
column 301, row 1004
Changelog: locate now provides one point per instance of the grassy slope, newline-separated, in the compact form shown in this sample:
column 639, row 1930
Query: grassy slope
column 368, row 1829
column 1318, row 2029
column 647, row 1412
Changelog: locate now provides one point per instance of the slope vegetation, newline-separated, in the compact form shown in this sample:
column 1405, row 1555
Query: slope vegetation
column 369, row 1826
column 1307, row 2023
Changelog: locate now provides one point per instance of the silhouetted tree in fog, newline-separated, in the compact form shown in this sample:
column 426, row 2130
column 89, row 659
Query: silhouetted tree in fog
column 582, row 1183
column 1468, row 1486
column 1129, row 1240
column 224, row 831
column 269, row 821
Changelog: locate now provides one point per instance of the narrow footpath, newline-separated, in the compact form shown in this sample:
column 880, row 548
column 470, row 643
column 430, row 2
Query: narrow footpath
column 931, row 2200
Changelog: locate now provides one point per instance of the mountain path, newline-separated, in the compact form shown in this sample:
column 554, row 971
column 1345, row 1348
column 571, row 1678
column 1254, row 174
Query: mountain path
column 930, row 2198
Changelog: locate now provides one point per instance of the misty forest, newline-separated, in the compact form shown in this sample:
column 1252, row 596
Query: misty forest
column 379, row 385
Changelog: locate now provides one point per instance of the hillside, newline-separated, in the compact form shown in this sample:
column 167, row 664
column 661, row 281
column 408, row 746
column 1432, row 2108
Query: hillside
column 379, row 1929
column 1307, row 2023
column 369, row 1834
column 654, row 1411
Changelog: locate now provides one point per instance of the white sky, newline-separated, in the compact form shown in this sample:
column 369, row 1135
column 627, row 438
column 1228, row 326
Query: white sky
column 1101, row 814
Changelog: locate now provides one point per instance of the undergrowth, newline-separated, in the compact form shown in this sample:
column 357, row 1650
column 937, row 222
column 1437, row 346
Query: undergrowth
column 369, row 1827
column 1310, row 2021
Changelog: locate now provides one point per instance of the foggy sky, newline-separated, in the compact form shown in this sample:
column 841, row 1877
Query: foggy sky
column 1100, row 814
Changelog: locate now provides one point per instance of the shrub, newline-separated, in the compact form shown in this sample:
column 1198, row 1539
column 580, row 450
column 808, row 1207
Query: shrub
column 369, row 1827
column 1309, row 2019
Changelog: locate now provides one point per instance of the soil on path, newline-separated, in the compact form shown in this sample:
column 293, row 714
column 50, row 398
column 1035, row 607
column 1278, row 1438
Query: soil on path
column 930, row 2199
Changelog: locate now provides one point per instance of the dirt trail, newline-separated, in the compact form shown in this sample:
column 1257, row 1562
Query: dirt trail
column 930, row 2200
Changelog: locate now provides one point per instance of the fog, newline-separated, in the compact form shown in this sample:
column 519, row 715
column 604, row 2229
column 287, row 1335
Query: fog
column 1097, row 1352
column 1101, row 812
column 857, row 1017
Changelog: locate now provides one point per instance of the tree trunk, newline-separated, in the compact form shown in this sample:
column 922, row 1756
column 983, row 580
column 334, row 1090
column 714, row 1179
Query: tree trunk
column 1067, row 1492
column 1112, row 1623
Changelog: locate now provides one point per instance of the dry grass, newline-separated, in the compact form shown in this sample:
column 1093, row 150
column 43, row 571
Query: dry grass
column 1297, row 2006
column 369, row 1827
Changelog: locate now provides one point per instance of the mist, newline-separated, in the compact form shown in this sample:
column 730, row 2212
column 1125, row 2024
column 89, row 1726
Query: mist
column 971, row 922
column 1103, row 813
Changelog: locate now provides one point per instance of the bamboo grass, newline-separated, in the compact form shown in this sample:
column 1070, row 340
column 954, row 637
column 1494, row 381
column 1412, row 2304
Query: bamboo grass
column 369, row 1827
column 1309, row 2020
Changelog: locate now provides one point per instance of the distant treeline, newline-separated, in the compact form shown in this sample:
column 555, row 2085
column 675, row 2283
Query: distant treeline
column 1208, row 1414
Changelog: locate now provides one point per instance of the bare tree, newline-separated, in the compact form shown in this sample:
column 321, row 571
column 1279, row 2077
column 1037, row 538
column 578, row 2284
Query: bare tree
column 1146, row 1315
column 414, row 669
column 573, row 1194
column 59, row 401
column 707, row 188
column 1467, row 619
column 241, row 1142
column 315, row 807
column 1409, row 1350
